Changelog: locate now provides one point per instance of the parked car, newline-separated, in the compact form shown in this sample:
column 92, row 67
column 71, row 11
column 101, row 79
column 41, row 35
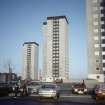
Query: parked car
column 32, row 87
column 79, row 88
column 49, row 90
column 99, row 91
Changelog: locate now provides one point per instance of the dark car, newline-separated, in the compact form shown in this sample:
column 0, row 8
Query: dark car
column 99, row 91
column 79, row 88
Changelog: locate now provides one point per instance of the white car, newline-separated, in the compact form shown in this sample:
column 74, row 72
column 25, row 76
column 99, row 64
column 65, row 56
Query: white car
column 49, row 91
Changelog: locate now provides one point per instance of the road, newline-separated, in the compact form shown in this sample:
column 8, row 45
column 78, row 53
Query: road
column 64, row 100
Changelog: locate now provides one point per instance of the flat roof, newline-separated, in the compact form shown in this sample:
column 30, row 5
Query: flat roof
column 31, row 43
column 57, row 17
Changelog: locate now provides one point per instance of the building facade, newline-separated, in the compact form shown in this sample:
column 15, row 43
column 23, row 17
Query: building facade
column 95, row 10
column 30, row 61
column 8, row 77
column 56, row 52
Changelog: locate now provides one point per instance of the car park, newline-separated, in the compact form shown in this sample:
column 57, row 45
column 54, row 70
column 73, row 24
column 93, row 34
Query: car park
column 79, row 88
column 49, row 90
column 99, row 91
column 32, row 88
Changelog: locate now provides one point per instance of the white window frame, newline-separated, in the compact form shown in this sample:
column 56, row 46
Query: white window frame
column 95, row 16
column 103, row 68
column 95, row 30
column 96, row 53
column 101, row 15
column 103, row 45
column 96, row 45
column 102, row 30
column 103, row 52
column 101, row 8
column 95, row 23
column 103, row 61
column 103, row 37
column 96, row 38
column 102, row 22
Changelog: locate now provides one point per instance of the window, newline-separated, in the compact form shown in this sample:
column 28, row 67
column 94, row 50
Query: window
column 103, row 64
column 95, row 8
column 103, row 40
column 103, row 53
column 96, row 38
column 102, row 30
column 101, row 15
column 98, row 77
column 103, row 37
column 103, row 56
column 103, row 61
column 103, row 68
column 97, row 60
column 97, row 68
column 95, row 30
column 102, row 22
column 103, row 45
column 96, row 45
column 103, row 48
column 95, row 15
column 97, row 53
column 95, row 1
column 95, row 23
column 101, row 8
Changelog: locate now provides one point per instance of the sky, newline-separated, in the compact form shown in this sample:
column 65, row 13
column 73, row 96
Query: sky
column 21, row 21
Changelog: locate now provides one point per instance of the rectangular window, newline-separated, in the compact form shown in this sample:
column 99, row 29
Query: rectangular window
column 95, row 30
column 101, row 15
column 102, row 45
column 96, row 38
column 95, row 16
column 102, row 30
column 103, row 40
column 95, row 1
column 103, row 48
column 103, row 56
column 102, row 22
column 103, row 61
column 101, row 8
column 97, row 53
column 103, row 53
column 95, row 23
column 96, row 45
column 103, row 37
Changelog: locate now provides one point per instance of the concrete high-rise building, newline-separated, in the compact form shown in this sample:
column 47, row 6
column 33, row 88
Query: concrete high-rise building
column 96, row 38
column 56, row 52
column 30, row 61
